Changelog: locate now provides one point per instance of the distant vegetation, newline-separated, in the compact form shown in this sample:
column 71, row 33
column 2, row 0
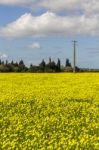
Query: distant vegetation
column 20, row 66
column 50, row 67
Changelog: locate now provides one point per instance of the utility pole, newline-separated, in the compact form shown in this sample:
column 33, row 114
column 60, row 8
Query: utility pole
column 74, row 56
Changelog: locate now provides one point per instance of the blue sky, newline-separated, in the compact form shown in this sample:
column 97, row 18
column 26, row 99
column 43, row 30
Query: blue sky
column 32, row 31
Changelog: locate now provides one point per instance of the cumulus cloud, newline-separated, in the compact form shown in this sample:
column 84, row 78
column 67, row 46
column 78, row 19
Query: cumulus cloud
column 84, row 19
column 3, row 56
column 35, row 45
column 58, row 5
column 50, row 24
column 81, row 6
column 16, row 2
column 85, row 6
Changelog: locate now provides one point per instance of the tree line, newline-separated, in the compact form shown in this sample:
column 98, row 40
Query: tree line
column 20, row 66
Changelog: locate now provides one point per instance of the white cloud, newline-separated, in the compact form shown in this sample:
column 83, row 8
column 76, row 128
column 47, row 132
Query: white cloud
column 16, row 2
column 35, row 45
column 57, row 5
column 81, row 6
column 86, row 23
column 50, row 24
column 85, row 6
column 3, row 56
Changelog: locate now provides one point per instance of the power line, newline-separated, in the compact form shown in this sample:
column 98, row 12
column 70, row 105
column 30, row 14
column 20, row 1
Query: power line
column 74, row 56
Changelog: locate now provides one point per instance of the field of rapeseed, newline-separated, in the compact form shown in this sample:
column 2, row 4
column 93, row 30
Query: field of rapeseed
column 49, row 111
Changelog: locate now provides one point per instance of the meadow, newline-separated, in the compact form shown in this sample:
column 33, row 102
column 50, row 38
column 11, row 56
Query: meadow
column 49, row 111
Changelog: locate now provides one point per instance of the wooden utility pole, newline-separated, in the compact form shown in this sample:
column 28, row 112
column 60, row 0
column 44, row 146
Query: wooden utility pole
column 74, row 56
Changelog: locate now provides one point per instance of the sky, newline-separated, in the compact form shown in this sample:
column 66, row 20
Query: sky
column 38, row 29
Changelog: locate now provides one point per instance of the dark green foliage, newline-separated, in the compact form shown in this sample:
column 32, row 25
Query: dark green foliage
column 12, row 67
column 51, row 66
column 0, row 61
column 68, row 64
column 58, row 67
column 42, row 66
column 4, row 68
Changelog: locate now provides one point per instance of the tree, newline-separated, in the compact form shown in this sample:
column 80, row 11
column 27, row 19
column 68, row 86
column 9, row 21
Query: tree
column 42, row 65
column 58, row 66
column 21, row 63
column 0, row 61
column 31, row 68
column 68, row 64
column 4, row 68
column 12, row 63
column 49, row 64
column 53, row 66
column 6, row 62
column 50, row 60
column 15, row 64
column 22, row 66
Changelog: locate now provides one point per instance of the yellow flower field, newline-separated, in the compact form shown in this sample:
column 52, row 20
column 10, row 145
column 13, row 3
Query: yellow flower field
column 49, row 111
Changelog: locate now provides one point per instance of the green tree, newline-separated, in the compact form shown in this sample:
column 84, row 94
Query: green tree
column 68, row 64
column 42, row 65
column 58, row 66
column 22, row 66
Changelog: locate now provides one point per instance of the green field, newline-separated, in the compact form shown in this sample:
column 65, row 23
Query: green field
column 49, row 111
